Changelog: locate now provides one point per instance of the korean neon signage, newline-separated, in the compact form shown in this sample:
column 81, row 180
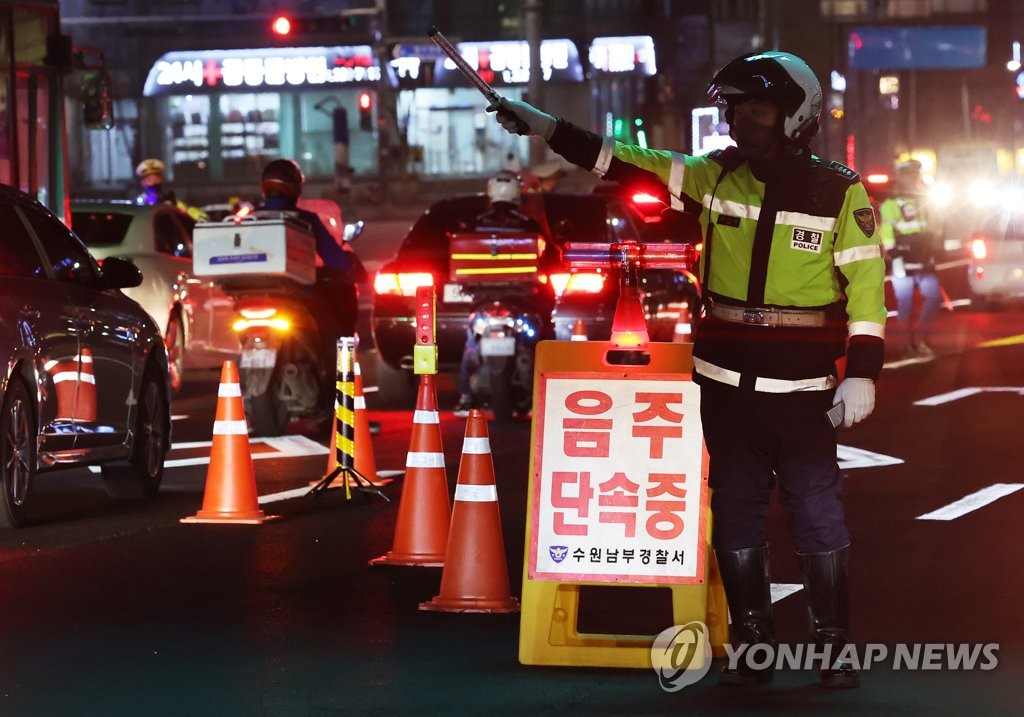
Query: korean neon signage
column 261, row 69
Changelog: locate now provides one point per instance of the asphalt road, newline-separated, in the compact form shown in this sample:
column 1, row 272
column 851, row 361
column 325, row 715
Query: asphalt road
column 111, row 609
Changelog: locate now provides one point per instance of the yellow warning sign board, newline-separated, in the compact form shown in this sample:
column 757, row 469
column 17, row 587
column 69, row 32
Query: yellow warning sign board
column 618, row 496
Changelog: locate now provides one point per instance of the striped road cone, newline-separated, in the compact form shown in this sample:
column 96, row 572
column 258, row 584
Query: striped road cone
column 230, row 495
column 424, row 513
column 475, row 575
column 579, row 331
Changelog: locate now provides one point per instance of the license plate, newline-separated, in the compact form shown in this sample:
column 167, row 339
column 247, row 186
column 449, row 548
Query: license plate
column 258, row 358
column 453, row 294
column 497, row 346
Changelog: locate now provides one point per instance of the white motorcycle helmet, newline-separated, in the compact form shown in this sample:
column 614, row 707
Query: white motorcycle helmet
column 504, row 187
column 778, row 77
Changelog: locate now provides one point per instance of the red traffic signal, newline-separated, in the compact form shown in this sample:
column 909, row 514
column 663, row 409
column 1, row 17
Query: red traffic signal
column 281, row 25
column 365, row 102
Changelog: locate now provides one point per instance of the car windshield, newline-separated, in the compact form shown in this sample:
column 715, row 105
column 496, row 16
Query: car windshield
column 100, row 228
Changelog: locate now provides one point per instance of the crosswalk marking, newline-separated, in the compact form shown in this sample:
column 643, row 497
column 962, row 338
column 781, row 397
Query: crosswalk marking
column 972, row 502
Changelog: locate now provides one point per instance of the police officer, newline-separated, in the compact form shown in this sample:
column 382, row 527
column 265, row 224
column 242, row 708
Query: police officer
column 151, row 176
column 912, row 248
column 793, row 276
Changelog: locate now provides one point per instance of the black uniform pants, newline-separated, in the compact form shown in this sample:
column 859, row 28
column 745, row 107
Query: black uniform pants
column 756, row 440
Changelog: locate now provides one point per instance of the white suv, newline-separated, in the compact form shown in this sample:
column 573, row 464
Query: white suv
column 996, row 269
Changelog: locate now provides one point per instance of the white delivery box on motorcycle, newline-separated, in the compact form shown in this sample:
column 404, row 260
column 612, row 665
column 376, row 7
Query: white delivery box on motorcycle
column 272, row 245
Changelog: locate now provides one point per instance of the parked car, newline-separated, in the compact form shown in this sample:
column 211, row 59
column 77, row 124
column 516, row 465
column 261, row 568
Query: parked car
column 423, row 258
column 996, row 269
column 86, row 378
column 193, row 313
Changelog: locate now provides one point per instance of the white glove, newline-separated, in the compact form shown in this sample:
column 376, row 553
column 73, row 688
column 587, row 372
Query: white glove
column 858, row 394
column 520, row 118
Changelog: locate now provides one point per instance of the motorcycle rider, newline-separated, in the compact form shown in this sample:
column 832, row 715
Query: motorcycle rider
column 504, row 194
column 334, row 293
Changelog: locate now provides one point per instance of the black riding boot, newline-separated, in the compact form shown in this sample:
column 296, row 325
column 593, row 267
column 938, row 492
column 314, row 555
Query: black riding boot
column 748, row 592
column 826, row 581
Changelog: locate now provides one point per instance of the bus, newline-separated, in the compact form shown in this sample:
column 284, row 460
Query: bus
column 35, row 59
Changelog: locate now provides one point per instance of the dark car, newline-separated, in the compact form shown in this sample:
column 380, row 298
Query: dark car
column 587, row 295
column 86, row 379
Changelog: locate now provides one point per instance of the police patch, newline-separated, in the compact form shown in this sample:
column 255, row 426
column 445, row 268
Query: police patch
column 865, row 220
column 806, row 240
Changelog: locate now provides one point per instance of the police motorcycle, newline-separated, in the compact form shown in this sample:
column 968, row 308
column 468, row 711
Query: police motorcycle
column 284, row 304
column 509, row 314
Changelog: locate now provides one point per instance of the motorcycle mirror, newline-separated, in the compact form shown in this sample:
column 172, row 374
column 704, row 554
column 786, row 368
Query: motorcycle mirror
column 352, row 230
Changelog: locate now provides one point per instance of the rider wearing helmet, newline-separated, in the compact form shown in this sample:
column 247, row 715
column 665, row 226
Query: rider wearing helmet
column 792, row 275
column 151, row 176
column 504, row 197
column 281, row 184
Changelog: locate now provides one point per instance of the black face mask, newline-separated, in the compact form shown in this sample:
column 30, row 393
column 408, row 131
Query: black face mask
column 753, row 140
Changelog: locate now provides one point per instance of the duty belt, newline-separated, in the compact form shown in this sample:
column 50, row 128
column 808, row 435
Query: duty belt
column 767, row 316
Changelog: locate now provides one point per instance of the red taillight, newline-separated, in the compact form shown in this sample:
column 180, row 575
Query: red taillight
column 979, row 250
column 645, row 198
column 401, row 284
column 584, row 282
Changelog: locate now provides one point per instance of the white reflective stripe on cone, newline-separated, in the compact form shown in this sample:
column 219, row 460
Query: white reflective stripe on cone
column 88, row 378
column 578, row 337
column 230, row 428
column 476, row 493
column 476, row 445
column 425, row 417
column 229, row 390
column 62, row 376
column 424, row 460
column 360, row 402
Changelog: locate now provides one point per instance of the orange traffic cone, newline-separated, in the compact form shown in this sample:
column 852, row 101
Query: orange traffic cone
column 230, row 495
column 424, row 513
column 475, row 575
column 85, row 405
column 579, row 331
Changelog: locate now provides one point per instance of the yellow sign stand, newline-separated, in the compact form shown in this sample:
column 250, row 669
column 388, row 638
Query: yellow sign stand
column 548, row 633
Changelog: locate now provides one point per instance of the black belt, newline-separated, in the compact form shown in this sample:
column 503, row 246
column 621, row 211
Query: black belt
column 768, row 316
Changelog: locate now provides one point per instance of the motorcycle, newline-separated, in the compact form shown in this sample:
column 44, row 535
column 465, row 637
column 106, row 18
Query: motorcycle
column 287, row 333
column 510, row 314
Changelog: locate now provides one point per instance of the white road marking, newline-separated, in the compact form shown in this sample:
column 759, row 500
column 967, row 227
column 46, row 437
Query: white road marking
column 965, row 392
column 284, row 447
column 781, row 591
column 784, row 590
column 972, row 502
column 850, row 457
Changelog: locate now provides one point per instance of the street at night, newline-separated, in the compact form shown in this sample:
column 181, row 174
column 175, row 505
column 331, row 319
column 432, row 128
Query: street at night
column 119, row 609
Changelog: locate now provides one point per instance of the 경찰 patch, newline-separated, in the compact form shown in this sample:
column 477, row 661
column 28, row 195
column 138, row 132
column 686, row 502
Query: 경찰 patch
column 806, row 240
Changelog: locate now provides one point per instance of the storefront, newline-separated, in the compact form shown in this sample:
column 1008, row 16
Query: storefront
column 223, row 114
column 218, row 116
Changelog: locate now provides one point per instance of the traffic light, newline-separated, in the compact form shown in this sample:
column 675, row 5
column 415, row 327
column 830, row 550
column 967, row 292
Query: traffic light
column 97, row 101
column 365, row 111
column 281, row 25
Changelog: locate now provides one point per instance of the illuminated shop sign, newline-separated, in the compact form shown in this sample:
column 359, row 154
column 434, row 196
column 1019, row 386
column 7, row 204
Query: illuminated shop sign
column 623, row 54
column 508, row 63
column 260, row 69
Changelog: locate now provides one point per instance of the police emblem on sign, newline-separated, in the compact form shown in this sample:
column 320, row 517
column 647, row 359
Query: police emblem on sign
column 806, row 240
column 558, row 552
column 865, row 220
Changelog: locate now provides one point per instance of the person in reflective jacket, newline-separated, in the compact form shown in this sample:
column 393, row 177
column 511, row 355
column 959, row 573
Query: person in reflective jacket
column 793, row 274
column 912, row 247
